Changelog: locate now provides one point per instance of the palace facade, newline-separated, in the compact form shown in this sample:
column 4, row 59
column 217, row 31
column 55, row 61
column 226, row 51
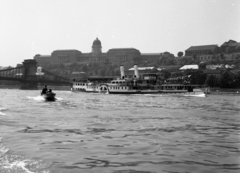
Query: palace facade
column 228, row 51
column 119, row 56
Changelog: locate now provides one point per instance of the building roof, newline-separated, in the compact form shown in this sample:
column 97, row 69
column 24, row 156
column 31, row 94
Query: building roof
column 65, row 50
column 123, row 49
column 204, row 47
column 142, row 68
column 229, row 43
column 97, row 42
column 43, row 56
column 186, row 67
column 213, row 67
column 150, row 54
column 170, row 67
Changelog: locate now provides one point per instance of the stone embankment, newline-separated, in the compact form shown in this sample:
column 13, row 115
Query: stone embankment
column 218, row 91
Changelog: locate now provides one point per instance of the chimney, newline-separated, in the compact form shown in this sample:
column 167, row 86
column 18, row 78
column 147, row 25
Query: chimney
column 136, row 71
column 122, row 72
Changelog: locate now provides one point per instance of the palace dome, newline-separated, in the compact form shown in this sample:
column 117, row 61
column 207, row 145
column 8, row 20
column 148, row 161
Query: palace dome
column 97, row 42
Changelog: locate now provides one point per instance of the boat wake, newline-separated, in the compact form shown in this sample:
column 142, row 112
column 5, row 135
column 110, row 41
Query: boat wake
column 41, row 98
column 196, row 95
column 37, row 98
column 1, row 111
column 15, row 163
column 59, row 99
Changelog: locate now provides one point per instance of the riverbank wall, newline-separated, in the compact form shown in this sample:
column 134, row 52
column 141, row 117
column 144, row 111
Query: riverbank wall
column 221, row 91
column 39, row 87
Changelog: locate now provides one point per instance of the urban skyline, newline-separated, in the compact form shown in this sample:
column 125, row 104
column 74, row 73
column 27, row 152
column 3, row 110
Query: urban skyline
column 39, row 27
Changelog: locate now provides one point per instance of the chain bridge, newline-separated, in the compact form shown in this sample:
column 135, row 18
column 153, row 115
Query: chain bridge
column 30, row 76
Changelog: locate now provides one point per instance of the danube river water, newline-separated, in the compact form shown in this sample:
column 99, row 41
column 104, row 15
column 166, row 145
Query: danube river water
column 83, row 132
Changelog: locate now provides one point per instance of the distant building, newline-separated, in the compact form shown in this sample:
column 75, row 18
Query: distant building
column 229, row 51
column 78, row 75
column 146, row 72
column 5, row 68
column 149, row 57
column 119, row 56
column 43, row 60
column 200, row 50
column 65, row 56
column 231, row 44
column 123, row 56
column 19, row 65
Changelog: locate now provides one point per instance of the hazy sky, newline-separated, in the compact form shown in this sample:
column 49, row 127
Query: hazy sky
column 29, row 27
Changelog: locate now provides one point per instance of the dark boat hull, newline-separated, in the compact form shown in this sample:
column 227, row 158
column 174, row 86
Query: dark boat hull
column 49, row 96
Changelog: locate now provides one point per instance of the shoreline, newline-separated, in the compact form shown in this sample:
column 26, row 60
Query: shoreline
column 67, row 88
column 219, row 91
column 223, row 93
column 40, row 87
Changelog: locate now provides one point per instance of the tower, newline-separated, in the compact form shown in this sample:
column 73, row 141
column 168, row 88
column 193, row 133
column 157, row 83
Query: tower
column 96, row 47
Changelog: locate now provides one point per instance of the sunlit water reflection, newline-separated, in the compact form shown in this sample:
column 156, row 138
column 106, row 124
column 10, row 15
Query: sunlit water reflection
column 82, row 132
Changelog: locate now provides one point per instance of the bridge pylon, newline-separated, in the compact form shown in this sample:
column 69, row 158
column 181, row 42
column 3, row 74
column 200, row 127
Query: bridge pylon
column 29, row 70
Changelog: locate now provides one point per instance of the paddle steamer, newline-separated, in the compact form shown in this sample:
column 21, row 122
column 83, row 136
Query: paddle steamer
column 146, row 84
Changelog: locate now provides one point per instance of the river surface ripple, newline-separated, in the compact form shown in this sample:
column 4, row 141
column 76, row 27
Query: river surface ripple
column 82, row 132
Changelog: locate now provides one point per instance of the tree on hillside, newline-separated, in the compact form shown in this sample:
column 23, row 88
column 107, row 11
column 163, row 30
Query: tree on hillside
column 237, row 49
column 166, row 73
column 166, row 58
column 202, row 65
column 136, row 60
column 107, row 62
column 180, row 54
column 226, row 80
column 222, row 57
column 217, row 50
column 211, row 81
column 236, row 80
column 74, row 66
column 185, row 61
column 194, row 57
column 196, row 76
column 85, row 68
column 237, row 57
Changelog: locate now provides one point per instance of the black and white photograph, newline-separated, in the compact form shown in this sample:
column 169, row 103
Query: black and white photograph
column 119, row 86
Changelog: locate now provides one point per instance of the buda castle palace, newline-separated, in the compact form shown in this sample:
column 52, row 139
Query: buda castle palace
column 119, row 56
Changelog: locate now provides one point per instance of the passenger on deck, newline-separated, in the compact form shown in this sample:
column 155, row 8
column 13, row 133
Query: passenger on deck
column 50, row 91
column 44, row 90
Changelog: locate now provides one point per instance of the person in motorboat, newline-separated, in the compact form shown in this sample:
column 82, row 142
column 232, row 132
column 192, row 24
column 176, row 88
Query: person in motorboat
column 44, row 90
column 49, row 95
column 49, row 91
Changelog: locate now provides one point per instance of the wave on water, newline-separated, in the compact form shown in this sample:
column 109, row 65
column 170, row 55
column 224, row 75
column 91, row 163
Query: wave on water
column 58, row 98
column 197, row 95
column 2, row 109
column 2, row 113
column 3, row 149
column 15, row 163
column 37, row 98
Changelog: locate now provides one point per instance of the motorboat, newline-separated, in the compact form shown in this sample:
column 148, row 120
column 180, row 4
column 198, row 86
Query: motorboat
column 49, row 96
